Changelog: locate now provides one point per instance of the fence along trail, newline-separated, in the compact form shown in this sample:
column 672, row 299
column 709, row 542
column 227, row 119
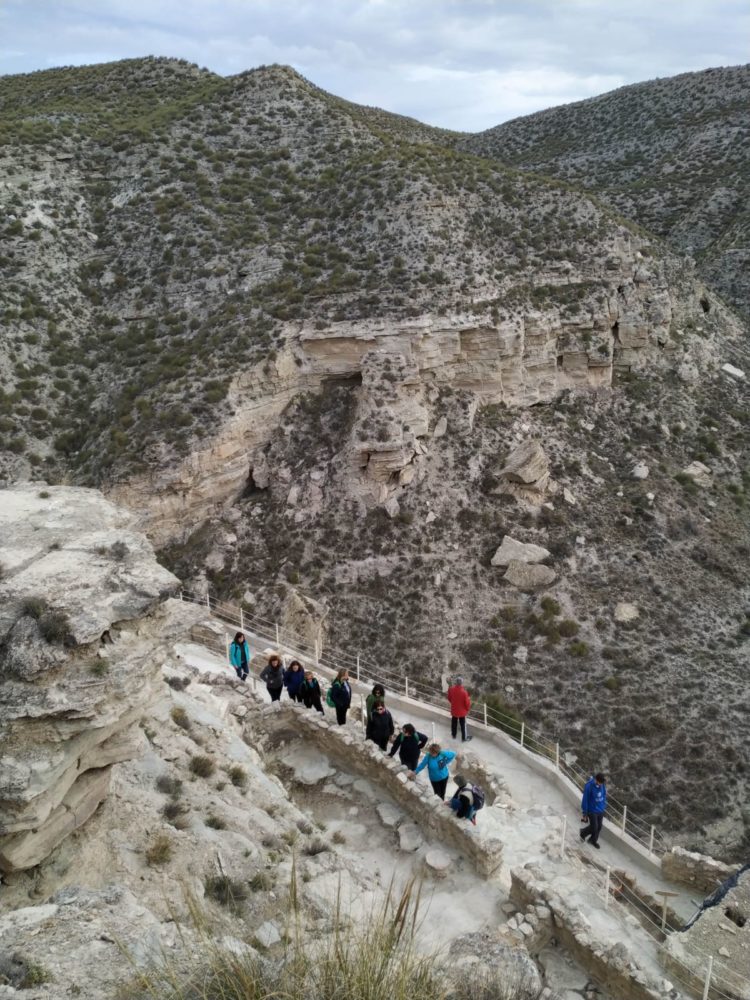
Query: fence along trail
column 535, row 770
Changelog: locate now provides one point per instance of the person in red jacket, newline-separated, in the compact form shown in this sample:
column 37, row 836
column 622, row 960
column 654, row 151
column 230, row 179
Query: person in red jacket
column 460, row 701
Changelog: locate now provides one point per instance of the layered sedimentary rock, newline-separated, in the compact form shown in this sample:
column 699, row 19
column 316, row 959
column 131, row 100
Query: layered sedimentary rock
column 521, row 358
column 77, row 662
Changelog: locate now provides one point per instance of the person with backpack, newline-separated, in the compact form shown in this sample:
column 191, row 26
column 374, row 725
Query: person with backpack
column 377, row 694
column 467, row 800
column 408, row 743
column 273, row 675
column 380, row 726
column 310, row 692
column 593, row 805
column 340, row 696
column 436, row 760
column 460, row 703
column 294, row 675
column 239, row 656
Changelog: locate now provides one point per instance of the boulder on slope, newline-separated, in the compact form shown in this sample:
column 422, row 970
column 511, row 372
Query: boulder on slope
column 525, row 552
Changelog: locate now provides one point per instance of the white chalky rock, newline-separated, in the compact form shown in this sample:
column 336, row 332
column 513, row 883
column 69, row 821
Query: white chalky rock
column 734, row 372
column 389, row 814
column 440, row 427
column 625, row 612
column 268, row 934
column 524, row 552
column 639, row 471
column 699, row 473
column 409, row 837
column 437, row 862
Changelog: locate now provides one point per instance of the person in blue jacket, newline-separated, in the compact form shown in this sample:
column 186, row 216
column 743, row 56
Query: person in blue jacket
column 593, row 804
column 436, row 760
column 294, row 676
column 239, row 656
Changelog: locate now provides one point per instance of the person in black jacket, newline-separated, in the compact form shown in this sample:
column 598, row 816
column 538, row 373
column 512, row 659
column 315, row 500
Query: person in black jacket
column 380, row 727
column 341, row 695
column 310, row 692
column 409, row 744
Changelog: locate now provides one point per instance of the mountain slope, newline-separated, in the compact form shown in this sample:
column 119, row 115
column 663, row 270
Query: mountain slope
column 672, row 154
column 302, row 339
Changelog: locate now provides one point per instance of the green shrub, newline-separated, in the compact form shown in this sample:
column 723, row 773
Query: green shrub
column 168, row 785
column 54, row 626
column 238, row 775
column 568, row 628
column 578, row 648
column 180, row 717
column 506, row 718
column 550, row 607
column 159, row 851
column 315, row 846
column 227, row 891
column 215, row 822
column 202, row 766
column 99, row 668
column 34, row 607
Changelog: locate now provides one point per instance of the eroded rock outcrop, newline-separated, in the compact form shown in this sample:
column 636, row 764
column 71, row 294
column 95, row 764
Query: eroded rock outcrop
column 77, row 664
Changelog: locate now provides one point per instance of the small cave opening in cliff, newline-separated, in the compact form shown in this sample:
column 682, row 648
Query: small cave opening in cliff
column 616, row 333
column 351, row 380
column 705, row 304
column 560, row 360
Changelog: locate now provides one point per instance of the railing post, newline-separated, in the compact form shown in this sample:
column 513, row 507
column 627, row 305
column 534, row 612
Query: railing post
column 651, row 841
column 180, row 595
column 485, row 715
column 606, row 889
column 406, row 687
column 278, row 643
column 433, row 732
column 358, row 666
column 523, row 730
column 208, row 600
column 624, row 817
column 707, row 982
column 242, row 620
column 317, row 654
column 562, row 838
column 557, row 756
column 364, row 713
column 226, row 647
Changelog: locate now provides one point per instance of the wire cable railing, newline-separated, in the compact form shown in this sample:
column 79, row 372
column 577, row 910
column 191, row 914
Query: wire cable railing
column 367, row 671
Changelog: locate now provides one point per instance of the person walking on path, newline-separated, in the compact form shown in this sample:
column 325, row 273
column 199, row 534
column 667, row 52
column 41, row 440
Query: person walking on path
column 408, row 743
column 436, row 760
column 294, row 675
column 380, row 726
column 273, row 675
column 239, row 656
column 340, row 694
column 460, row 701
column 377, row 694
column 593, row 805
column 310, row 692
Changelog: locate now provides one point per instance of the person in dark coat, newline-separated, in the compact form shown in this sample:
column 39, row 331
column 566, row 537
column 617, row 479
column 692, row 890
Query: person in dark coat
column 273, row 675
column 593, row 807
column 294, row 676
column 380, row 728
column 341, row 695
column 239, row 656
column 310, row 692
column 377, row 694
column 409, row 744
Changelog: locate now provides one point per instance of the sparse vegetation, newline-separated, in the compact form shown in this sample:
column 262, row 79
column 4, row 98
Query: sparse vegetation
column 180, row 718
column 159, row 851
column 202, row 766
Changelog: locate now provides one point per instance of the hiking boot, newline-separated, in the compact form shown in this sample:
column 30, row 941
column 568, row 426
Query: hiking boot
column 594, row 845
column 582, row 835
column 466, row 740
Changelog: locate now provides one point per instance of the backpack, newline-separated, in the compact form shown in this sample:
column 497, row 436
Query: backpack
column 329, row 698
column 478, row 797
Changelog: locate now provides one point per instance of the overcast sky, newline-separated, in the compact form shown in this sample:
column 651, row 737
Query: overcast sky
column 463, row 64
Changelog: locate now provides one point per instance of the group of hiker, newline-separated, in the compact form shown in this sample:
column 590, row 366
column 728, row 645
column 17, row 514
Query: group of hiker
column 302, row 686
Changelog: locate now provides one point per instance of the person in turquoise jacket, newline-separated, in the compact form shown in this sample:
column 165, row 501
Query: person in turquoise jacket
column 593, row 804
column 436, row 760
column 239, row 656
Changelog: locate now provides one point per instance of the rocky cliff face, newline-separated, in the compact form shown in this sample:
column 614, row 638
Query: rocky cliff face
column 77, row 660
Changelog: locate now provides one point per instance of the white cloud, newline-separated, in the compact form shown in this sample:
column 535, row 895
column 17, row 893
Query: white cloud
column 464, row 64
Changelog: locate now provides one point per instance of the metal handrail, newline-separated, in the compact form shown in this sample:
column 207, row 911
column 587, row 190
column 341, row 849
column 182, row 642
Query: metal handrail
column 483, row 715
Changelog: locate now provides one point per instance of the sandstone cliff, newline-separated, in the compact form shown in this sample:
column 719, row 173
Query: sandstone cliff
column 77, row 663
